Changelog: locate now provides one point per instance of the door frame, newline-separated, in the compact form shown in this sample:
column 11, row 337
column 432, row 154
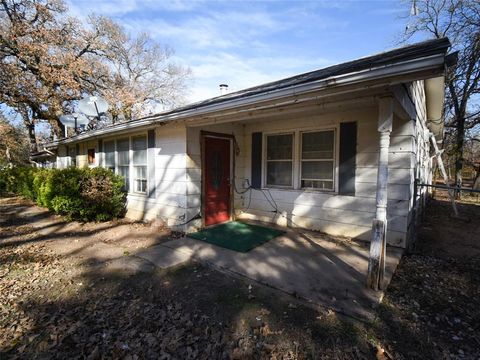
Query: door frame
column 231, row 138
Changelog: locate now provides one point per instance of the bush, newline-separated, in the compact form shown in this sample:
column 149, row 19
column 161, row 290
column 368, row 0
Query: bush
column 82, row 194
column 18, row 180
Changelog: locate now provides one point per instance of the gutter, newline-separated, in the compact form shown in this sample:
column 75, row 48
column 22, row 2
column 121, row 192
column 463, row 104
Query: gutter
column 433, row 62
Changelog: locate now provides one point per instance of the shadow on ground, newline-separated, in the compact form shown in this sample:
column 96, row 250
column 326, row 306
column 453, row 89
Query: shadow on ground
column 189, row 313
column 64, row 298
column 74, row 303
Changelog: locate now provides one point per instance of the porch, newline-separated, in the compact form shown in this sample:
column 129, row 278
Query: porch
column 335, row 193
column 329, row 272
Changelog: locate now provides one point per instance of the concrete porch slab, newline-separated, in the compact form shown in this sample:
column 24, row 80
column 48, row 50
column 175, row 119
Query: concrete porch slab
column 328, row 273
column 164, row 257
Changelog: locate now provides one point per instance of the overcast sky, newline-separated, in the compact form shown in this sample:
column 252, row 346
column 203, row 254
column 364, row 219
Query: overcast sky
column 246, row 43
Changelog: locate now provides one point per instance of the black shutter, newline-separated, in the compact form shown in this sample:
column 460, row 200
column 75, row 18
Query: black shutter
column 257, row 160
column 348, row 152
column 151, row 163
column 151, row 139
column 100, row 146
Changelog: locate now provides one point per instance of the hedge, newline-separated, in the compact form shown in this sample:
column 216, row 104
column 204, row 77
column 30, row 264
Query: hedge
column 79, row 193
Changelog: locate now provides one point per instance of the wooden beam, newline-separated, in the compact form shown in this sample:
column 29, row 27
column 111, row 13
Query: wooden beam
column 376, row 264
column 404, row 107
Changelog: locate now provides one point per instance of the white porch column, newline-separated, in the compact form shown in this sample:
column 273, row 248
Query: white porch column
column 376, row 264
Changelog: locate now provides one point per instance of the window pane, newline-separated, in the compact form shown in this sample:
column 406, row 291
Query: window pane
column 279, row 147
column 124, row 171
column 122, row 145
column 317, row 184
column 139, row 143
column 141, row 185
column 313, row 170
column 279, row 173
column 109, row 149
column 110, row 160
column 109, row 146
column 122, row 150
column 317, row 145
column 139, row 157
column 141, row 172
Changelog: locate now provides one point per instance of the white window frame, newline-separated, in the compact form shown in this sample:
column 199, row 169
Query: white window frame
column 72, row 160
column 104, row 162
column 333, row 160
column 297, row 158
column 133, row 166
column 117, row 163
column 265, row 160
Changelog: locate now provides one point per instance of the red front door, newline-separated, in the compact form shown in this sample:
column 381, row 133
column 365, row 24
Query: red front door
column 217, row 180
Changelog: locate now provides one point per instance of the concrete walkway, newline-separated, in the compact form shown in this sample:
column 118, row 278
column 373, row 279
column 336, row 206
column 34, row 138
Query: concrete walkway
column 328, row 273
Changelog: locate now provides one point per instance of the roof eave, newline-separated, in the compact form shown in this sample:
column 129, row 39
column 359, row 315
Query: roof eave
column 425, row 67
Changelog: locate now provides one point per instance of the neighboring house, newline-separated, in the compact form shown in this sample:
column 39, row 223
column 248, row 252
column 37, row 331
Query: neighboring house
column 308, row 146
column 44, row 158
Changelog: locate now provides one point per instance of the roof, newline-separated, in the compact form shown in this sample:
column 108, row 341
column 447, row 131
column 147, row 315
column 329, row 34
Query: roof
column 405, row 53
column 399, row 55
column 44, row 153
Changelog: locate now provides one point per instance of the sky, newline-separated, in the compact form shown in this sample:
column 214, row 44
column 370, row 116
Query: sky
column 247, row 43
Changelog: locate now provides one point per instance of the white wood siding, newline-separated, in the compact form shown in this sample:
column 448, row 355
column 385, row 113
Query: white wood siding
column 169, row 201
column 422, row 159
column 178, row 174
column 330, row 212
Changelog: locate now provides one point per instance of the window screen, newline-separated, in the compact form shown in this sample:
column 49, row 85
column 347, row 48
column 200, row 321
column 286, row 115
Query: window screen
column 139, row 146
column 123, row 146
column 72, row 154
column 279, row 159
column 109, row 150
column 318, row 161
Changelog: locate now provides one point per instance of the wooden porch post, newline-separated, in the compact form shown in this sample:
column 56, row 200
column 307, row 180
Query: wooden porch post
column 376, row 264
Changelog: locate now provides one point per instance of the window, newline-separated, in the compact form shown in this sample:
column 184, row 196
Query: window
column 109, row 150
column 139, row 146
column 123, row 146
column 317, row 160
column 279, row 160
column 71, row 151
column 91, row 156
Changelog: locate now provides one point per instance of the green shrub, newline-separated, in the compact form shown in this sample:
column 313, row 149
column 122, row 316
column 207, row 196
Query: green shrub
column 4, row 174
column 71, row 207
column 18, row 180
column 82, row 194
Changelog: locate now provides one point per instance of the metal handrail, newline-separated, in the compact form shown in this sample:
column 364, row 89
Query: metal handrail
column 455, row 188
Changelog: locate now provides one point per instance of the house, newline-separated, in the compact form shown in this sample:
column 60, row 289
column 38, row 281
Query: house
column 309, row 151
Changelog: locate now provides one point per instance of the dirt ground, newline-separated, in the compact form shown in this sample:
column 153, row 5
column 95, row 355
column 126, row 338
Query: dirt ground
column 58, row 299
column 432, row 307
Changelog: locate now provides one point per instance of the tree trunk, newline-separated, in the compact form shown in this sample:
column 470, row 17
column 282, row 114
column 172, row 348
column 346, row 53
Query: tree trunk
column 31, row 137
column 459, row 141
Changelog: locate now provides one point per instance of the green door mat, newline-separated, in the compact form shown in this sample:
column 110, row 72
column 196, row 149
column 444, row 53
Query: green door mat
column 236, row 235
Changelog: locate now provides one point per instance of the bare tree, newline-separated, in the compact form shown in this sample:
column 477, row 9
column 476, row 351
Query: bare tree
column 48, row 60
column 459, row 20
column 143, row 76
